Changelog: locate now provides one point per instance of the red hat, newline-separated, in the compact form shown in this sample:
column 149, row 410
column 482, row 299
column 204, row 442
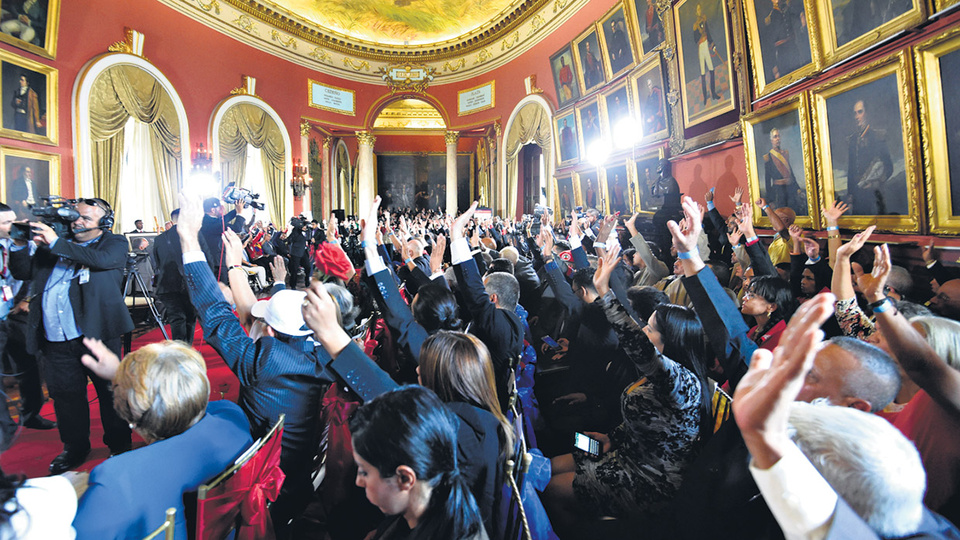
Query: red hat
column 330, row 260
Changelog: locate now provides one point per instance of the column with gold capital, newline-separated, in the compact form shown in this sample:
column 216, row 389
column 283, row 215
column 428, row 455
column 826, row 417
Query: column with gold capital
column 326, row 184
column 307, row 204
column 451, row 138
column 365, row 190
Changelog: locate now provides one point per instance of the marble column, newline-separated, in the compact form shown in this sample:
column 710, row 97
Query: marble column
column 326, row 182
column 451, row 138
column 307, row 204
column 492, row 183
column 365, row 175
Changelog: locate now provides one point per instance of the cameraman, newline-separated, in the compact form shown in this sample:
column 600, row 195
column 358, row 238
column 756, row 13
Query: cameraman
column 76, row 294
column 214, row 223
column 297, row 239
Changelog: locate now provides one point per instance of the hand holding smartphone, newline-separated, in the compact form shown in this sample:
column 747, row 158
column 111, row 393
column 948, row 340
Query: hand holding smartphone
column 587, row 444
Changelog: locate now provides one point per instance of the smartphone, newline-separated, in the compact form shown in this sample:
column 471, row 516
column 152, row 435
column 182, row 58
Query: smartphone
column 551, row 342
column 587, row 444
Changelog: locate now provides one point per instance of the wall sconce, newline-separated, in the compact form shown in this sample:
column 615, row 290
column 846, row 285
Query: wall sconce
column 202, row 159
column 300, row 181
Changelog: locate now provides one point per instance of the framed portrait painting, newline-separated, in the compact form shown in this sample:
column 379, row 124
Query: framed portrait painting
column 780, row 165
column 617, row 187
column 588, row 183
column 29, row 96
column 565, row 195
column 645, row 169
column 851, row 26
column 586, row 50
column 28, row 176
column 867, row 155
column 619, row 55
column 565, row 77
column 938, row 72
column 588, row 125
column 31, row 25
column 617, row 107
column 649, row 90
column 565, row 133
column 779, row 33
column 650, row 24
column 706, row 79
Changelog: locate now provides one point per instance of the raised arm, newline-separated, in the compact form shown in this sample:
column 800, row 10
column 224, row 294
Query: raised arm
column 918, row 359
column 832, row 216
column 758, row 255
column 853, row 321
column 243, row 295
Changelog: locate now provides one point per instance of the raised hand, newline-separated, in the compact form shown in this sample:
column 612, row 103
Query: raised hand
column 631, row 224
column 232, row 248
column 278, row 269
column 605, row 266
column 847, row 250
column 546, row 243
column 761, row 403
column 761, row 202
column 436, row 256
column 368, row 233
column 811, row 247
column 687, row 232
column 872, row 285
column 737, row 196
column 833, row 213
column 928, row 253
column 708, row 196
column 321, row 314
column 459, row 224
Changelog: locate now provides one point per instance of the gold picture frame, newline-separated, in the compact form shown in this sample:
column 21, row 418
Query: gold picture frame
column 653, row 37
column 618, row 193
column 778, row 144
column 44, row 15
column 566, row 199
column 941, row 5
column 616, row 34
column 860, row 31
column 590, row 127
column 35, row 119
column 586, row 183
column 692, row 22
column 648, row 85
column 780, row 53
column 566, row 133
column 938, row 115
column 590, row 74
column 44, row 176
column 847, row 121
column 617, row 107
column 643, row 169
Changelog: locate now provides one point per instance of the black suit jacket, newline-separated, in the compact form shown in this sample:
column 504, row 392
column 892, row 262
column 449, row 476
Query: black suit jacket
column 168, row 260
column 97, row 304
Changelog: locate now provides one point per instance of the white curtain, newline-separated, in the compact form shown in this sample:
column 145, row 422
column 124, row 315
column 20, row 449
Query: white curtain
column 254, row 180
column 139, row 192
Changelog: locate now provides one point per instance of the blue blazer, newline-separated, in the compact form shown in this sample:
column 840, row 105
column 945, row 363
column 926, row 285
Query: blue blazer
column 129, row 493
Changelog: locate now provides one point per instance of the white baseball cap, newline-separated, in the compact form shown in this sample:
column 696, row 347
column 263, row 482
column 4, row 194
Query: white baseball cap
column 282, row 312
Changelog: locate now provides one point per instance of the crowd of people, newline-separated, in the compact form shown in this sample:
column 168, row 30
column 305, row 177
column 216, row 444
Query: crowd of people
column 733, row 388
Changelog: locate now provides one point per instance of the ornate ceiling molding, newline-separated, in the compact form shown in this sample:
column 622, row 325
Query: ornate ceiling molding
column 282, row 35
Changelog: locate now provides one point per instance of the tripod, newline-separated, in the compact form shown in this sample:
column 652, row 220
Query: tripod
column 132, row 276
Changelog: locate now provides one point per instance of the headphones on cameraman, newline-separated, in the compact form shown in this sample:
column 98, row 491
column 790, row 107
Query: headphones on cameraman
column 106, row 222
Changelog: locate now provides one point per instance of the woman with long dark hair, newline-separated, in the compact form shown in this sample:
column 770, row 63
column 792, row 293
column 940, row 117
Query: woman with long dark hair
column 405, row 446
column 665, row 414
column 458, row 368
column 770, row 301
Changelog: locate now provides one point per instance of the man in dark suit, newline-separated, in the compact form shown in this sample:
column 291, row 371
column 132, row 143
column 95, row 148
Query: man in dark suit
column 171, row 289
column 77, row 295
column 24, row 192
column 491, row 302
column 214, row 223
column 137, row 226
column 299, row 254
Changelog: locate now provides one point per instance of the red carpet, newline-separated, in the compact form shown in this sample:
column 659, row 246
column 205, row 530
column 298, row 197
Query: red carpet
column 33, row 450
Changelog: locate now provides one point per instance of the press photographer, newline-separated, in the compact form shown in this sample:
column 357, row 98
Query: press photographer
column 77, row 274
column 215, row 222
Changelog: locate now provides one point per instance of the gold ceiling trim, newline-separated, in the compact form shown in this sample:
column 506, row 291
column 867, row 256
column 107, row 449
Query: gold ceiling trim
column 281, row 36
column 370, row 50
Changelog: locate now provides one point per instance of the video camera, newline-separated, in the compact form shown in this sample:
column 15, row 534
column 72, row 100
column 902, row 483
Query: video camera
column 54, row 211
column 232, row 194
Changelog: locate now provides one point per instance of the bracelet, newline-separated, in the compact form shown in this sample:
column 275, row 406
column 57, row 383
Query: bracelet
column 389, row 233
column 600, row 245
column 548, row 261
column 684, row 254
column 408, row 261
column 882, row 305
column 832, row 236
column 235, row 266
column 751, row 240
column 833, row 228
column 765, row 207
column 364, row 243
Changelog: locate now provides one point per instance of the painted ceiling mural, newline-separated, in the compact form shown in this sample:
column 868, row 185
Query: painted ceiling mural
column 401, row 22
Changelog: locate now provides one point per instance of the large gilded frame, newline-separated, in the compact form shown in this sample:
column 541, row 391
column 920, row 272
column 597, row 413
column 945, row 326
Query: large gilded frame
column 606, row 97
column 752, row 136
column 50, row 159
column 563, row 160
column 654, row 155
column 900, row 65
column 49, row 49
column 49, row 101
column 601, row 130
column 581, row 75
column 592, row 173
column 652, row 65
column 629, row 24
column 933, row 131
column 694, row 119
column 761, row 85
column 607, row 203
column 833, row 52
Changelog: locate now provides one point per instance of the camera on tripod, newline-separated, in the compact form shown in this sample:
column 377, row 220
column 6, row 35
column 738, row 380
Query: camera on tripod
column 55, row 211
column 232, row 194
